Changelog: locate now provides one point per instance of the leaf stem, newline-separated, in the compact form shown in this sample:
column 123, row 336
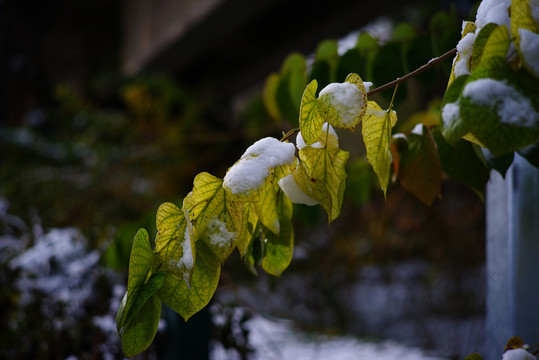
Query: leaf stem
column 417, row 71
column 289, row 134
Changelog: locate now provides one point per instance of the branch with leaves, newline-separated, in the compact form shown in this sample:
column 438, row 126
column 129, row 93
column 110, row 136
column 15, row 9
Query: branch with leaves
column 491, row 102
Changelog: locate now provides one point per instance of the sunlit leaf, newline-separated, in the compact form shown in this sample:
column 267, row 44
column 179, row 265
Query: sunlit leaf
column 376, row 132
column 215, row 217
column 278, row 254
column 322, row 176
column 480, row 42
column 496, row 45
column 185, row 300
column 266, row 208
column 174, row 244
column 310, row 119
column 343, row 105
column 143, row 294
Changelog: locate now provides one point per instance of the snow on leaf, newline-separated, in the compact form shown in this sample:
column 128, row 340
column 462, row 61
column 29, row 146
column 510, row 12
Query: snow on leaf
column 376, row 132
column 343, row 105
column 216, row 218
column 185, row 300
column 174, row 244
column 245, row 179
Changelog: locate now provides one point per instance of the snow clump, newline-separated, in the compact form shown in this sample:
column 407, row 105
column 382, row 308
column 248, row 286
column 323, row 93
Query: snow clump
column 255, row 165
column 347, row 99
column 512, row 107
column 294, row 192
column 300, row 142
column 518, row 354
column 464, row 47
column 493, row 11
column 529, row 48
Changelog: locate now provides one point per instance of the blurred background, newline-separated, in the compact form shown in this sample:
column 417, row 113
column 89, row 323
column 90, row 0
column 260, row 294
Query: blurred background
column 110, row 108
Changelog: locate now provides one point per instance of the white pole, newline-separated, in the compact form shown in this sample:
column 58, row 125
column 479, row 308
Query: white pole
column 512, row 257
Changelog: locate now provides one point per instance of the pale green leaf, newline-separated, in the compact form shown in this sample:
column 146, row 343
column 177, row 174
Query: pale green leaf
column 216, row 218
column 480, row 42
column 185, row 300
column 279, row 249
column 376, row 132
column 174, row 244
column 139, row 333
column 310, row 119
column 322, row 176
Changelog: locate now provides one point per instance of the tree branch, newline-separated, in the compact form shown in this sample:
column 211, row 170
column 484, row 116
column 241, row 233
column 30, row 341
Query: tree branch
column 428, row 65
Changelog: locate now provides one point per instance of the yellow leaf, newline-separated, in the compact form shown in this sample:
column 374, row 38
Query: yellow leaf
column 321, row 175
column 310, row 119
column 215, row 217
column 376, row 132
column 247, row 229
column 174, row 243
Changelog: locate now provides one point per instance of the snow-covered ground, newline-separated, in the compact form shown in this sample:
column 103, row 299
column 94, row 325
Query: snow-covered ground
column 276, row 339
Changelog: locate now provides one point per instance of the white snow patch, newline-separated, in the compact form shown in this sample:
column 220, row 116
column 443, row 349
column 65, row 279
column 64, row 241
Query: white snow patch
column 493, row 11
column 300, row 142
column 346, row 98
column 294, row 192
column 218, row 233
column 464, row 47
column 512, row 107
column 186, row 261
column 276, row 339
column 450, row 113
column 518, row 354
column 418, row 130
column 367, row 85
column 529, row 48
column 250, row 172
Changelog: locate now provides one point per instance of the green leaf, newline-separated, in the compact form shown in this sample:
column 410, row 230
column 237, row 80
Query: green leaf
column 216, row 218
column 327, row 50
column 420, row 172
column 461, row 163
column 403, row 32
column 376, row 132
column 284, row 101
column 174, row 244
column 496, row 45
column 350, row 62
column 496, row 120
column 480, row 42
column 321, row 72
column 279, row 248
column 139, row 261
column 310, row 120
column 139, row 266
column 139, row 333
column 188, row 301
column 322, row 176
column 142, row 295
column 269, row 96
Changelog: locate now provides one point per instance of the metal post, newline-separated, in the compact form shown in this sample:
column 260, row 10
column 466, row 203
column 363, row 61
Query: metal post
column 512, row 257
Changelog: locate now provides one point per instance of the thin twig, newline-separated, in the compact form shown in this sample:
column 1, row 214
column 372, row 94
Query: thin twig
column 428, row 65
